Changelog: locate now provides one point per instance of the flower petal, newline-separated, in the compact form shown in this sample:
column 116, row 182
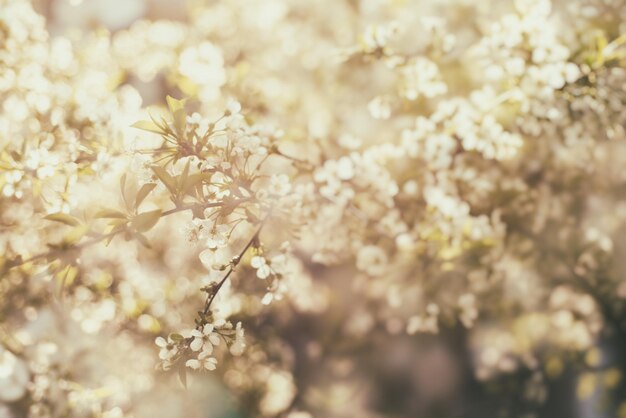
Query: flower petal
column 193, row 364
column 196, row 344
column 214, row 339
column 257, row 261
column 210, row 363
column 207, row 350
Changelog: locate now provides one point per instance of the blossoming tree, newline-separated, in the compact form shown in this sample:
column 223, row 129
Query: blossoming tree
column 341, row 179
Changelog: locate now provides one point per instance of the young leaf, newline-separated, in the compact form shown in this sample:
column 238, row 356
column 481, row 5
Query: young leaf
column 146, row 125
column 142, row 239
column 177, row 108
column 63, row 218
column 165, row 178
column 161, row 125
column 144, row 221
column 183, row 177
column 126, row 193
column 123, row 189
column 166, row 126
column 143, row 192
column 174, row 104
column 180, row 122
column 110, row 213
column 191, row 182
column 116, row 230
column 75, row 234
column 67, row 275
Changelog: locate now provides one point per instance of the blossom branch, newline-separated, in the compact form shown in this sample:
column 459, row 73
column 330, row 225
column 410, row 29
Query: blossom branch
column 55, row 252
column 234, row 263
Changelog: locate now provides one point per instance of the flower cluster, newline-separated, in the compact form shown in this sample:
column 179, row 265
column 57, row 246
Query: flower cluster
column 196, row 347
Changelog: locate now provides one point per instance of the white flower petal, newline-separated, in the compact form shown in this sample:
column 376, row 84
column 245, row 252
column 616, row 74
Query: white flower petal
column 196, row 344
column 263, row 272
column 206, row 351
column 193, row 364
column 257, row 261
column 215, row 339
column 210, row 363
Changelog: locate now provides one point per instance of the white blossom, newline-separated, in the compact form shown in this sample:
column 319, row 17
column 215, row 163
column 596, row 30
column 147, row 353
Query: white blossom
column 263, row 270
column 205, row 339
column 169, row 348
column 204, row 361
column 279, row 185
column 372, row 259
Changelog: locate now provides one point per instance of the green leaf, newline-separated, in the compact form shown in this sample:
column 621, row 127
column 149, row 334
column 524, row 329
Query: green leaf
column 143, row 192
column 165, row 177
column 146, row 125
column 177, row 108
column 176, row 337
column 115, row 223
column 165, row 129
column 116, row 230
column 110, row 213
column 125, row 192
column 65, row 277
column 174, row 104
column 64, row 218
column 166, row 126
column 142, row 239
column 191, row 182
column 182, row 179
column 144, row 221
column 180, row 122
column 75, row 234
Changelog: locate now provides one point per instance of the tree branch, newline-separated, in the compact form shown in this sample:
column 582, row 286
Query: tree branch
column 234, row 263
column 101, row 238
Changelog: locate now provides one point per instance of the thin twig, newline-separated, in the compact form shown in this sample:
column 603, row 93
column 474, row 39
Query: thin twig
column 294, row 159
column 235, row 262
column 54, row 252
column 101, row 238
